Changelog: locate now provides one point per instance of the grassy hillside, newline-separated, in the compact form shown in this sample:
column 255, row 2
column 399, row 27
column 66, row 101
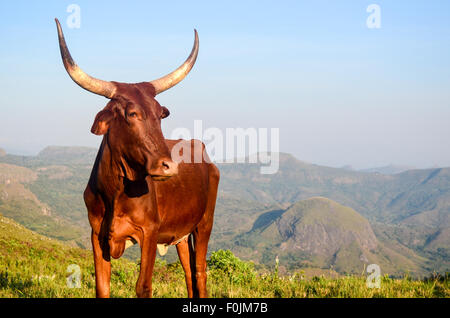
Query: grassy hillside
column 21, row 192
column 32, row 265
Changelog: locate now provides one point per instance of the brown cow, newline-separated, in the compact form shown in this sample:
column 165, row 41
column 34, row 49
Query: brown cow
column 127, row 198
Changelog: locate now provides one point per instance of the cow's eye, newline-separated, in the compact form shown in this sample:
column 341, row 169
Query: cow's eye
column 132, row 114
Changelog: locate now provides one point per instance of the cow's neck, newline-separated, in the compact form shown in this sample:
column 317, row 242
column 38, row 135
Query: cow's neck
column 111, row 177
column 108, row 171
column 107, row 182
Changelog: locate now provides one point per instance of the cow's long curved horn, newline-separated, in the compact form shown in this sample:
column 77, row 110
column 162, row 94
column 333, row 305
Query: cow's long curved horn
column 87, row 82
column 172, row 79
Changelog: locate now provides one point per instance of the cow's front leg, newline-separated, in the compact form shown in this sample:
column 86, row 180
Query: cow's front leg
column 186, row 255
column 148, row 255
column 102, row 263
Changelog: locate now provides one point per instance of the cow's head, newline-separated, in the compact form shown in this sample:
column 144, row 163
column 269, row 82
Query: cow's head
column 132, row 118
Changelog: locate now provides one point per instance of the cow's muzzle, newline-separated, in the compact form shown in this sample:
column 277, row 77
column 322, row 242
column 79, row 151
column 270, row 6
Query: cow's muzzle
column 163, row 169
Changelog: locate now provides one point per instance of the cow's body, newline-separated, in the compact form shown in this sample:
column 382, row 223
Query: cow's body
column 152, row 212
column 137, row 192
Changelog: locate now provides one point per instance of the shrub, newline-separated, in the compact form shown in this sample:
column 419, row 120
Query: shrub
column 225, row 263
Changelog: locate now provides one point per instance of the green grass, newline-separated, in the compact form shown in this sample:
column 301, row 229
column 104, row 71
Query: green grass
column 32, row 265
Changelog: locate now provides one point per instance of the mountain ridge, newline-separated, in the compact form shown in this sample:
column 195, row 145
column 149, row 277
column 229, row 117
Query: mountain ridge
column 318, row 232
column 406, row 210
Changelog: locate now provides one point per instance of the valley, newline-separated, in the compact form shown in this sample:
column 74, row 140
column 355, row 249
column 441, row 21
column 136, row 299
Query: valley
column 309, row 216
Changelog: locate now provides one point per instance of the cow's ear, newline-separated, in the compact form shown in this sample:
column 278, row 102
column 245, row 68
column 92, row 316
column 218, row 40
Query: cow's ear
column 101, row 123
column 165, row 112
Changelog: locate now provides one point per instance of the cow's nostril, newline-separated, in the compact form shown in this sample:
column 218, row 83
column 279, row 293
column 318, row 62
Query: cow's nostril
column 165, row 165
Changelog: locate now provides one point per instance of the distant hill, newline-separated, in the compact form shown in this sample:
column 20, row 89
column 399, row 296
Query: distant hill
column 405, row 210
column 18, row 202
column 15, row 174
column 54, row 155
column 68, row 155
column 320, row 233
column 389, row 169
column 46, row 197
column 387, row 198
column 408, row 212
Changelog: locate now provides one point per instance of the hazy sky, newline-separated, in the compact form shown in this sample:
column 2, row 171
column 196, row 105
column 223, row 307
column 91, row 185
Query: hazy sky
column 340, row 93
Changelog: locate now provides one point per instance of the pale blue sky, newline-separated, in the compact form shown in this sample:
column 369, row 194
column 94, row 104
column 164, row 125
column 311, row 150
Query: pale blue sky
column 340, row 93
